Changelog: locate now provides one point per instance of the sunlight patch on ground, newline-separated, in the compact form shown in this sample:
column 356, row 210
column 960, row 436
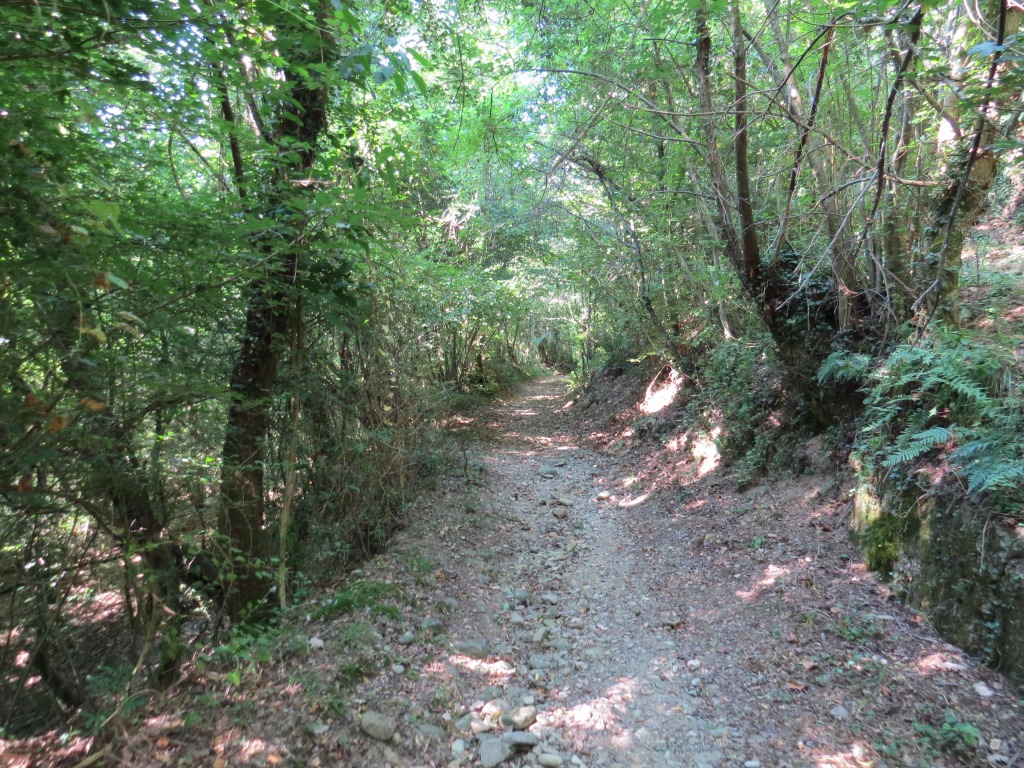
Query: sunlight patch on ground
column 772, row 574
column 102, row 606
column 661, row 392
column 536, row 440
column 678, row 443
column 255, row 747
column 164, row 722
column 597, row 714
column 496, row 459
column 14, row 760
column 938, row 662
column 495, row 672
column 635, row 501
column 705, row 450
column 856, row 757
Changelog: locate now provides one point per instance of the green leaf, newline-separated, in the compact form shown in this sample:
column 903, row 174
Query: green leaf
column 116, row 280
column 421, row 84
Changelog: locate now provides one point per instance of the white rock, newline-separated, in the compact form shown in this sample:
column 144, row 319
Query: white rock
column 316, row 643
column 550, row 760
column 984, row 691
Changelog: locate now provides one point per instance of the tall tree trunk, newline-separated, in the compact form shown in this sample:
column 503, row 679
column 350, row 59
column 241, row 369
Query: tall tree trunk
column 719, row 182
column 751, row 251
column 300, row 120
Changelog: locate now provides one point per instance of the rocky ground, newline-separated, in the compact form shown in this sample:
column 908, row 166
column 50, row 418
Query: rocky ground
column 567, row 599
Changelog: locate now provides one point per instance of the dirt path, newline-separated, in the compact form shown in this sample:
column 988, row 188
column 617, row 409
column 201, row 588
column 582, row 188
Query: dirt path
column 563, row 606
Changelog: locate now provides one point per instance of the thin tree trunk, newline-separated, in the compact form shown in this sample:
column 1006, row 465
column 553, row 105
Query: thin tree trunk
column 748, row 231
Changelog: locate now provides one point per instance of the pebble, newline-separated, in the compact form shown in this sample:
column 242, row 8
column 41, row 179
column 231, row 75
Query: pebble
column 432, row 732
column 524, row 596
column 458, row 747
column 521, row 718
column 480, row 726
column 839, row 712
column 431, row 624
column 755, row 763
column 406, row 639
column 549, row 760
column 317, row 728
column 397, row 669
column 378, row 726
column 560, row 513
column 523, row 739
column 475, row 649
column 494, row 752
column 494, row 708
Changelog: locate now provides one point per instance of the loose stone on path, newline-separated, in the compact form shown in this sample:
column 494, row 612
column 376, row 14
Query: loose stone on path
column 377, row 725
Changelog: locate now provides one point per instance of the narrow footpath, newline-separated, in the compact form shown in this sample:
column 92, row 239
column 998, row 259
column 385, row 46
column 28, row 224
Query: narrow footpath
column 567, row 603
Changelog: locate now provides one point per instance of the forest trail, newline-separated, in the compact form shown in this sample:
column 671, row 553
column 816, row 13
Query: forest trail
column 620, row 620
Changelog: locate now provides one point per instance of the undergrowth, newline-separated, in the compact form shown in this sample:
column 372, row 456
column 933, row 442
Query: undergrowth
column 951, row 397
column 742, row 394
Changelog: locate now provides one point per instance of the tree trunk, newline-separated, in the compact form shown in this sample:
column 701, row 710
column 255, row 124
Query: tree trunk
column 969, row 177
column 751, row 251
column 300, row 120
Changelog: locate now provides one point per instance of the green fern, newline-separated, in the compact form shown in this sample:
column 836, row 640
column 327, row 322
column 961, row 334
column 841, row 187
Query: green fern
column 844, row 366
column 918, row 444
column 948, row 390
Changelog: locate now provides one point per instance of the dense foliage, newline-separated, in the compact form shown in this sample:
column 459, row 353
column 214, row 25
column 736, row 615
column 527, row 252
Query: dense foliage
column 251, row 252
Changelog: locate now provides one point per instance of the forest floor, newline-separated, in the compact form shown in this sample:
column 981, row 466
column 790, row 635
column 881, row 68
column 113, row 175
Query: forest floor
column 572, row 595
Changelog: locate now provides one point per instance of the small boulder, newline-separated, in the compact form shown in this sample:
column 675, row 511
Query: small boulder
column 378, row 726
column 494, row 752
column 521, row 739
column 521, row 718
column 475, row 649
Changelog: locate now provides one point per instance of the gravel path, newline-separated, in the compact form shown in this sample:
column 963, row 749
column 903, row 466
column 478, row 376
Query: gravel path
column 564, row 603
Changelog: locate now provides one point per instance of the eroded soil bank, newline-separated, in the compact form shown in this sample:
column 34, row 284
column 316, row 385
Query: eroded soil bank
column 563, row 599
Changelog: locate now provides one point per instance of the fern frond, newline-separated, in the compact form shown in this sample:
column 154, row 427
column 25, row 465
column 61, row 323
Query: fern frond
column 917, row 445
column 990, row 477
column 844, row 366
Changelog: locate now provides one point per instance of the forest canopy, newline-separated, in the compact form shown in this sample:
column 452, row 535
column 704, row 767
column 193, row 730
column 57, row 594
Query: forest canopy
column 252, row 252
